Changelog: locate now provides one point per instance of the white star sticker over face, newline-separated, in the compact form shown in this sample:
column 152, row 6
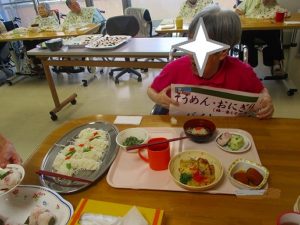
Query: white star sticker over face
column 201, row 47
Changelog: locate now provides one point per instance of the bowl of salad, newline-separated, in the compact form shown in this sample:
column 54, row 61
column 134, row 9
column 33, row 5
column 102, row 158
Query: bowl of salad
column 195, row 170
column 132, row 136
column 199, row 130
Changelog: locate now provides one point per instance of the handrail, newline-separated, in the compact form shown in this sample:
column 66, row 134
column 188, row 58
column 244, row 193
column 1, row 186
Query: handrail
column 14, row 3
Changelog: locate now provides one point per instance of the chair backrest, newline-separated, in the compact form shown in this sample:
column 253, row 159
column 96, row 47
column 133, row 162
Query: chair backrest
column 144, row 19
column 122, row 25
column 10, row 25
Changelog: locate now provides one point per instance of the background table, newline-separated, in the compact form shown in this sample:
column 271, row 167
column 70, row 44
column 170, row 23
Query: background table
column 276, row 141
column 31, row 36
column 145, row 48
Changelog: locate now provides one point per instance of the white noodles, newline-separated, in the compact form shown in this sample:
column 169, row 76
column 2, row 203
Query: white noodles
column 86, row 153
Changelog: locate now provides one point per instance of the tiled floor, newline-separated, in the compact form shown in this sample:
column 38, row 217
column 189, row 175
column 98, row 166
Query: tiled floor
column 24, row 107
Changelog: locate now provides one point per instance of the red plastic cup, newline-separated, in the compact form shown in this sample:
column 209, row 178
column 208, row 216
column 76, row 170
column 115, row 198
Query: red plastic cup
column 158, row 155
column 279, row 17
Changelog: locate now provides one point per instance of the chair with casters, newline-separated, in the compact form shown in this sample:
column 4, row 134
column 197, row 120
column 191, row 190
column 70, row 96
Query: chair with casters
column 123, row 25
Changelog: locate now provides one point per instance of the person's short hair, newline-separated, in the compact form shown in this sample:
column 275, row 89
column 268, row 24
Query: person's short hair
column 221, row 25
column 46, row 6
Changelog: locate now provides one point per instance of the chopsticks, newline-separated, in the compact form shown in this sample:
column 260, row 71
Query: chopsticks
column 154, row 143
column 52, row 174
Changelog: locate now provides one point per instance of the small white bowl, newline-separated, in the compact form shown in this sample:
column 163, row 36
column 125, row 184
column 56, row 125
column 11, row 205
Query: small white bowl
column 139, row 133
column 174, row 166
column 244, row 165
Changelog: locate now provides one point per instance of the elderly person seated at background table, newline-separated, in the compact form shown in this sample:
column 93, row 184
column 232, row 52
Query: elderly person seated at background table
column 79, row 15
column 46, row 17
column 273, row 53
column 191, row 7
column 220, row 71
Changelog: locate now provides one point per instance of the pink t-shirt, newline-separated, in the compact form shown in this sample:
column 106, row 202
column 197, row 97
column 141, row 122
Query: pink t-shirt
column 233, row 75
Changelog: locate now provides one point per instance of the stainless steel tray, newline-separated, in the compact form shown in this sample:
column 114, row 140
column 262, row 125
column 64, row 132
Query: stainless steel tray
column 67, row 186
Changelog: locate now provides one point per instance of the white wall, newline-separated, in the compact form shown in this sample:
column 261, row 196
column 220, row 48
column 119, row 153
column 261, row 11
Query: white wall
column 291, row 5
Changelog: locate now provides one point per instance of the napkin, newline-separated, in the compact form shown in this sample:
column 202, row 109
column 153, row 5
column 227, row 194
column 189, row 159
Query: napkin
column 135, row 120
column 134, row 217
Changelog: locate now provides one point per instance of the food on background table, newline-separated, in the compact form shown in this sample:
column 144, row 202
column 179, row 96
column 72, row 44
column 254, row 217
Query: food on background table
column 130, row 141
column 198, row 131
column 250, row 177
column 196, row 172
column 232, row 141
column 107, row 41
column 85, row 153
column 9, row 178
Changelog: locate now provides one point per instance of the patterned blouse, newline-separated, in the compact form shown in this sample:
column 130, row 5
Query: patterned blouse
column 188, row 12
column 50, row 21
column 87, row 15
column 256, row 9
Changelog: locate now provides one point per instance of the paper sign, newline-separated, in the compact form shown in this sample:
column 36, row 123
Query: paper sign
column 209, row 101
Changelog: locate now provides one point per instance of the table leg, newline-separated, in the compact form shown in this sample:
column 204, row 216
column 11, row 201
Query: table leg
column 58, row 105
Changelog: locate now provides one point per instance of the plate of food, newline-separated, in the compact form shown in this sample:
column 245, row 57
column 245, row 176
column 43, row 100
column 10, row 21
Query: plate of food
column 85, row 152
column 80, row 41
column 233, row 142
column 30, row 204
column 10, row 177
column 195, row 170
column 108, row 42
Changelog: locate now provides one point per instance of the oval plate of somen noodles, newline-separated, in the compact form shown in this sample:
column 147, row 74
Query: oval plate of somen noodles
column 79, row 158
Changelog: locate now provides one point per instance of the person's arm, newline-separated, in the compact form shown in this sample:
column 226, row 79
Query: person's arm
column 161, row 98
column 8, row 153
column 264, row 107
column 241, row 8
column 97, row 17
column 241, row 13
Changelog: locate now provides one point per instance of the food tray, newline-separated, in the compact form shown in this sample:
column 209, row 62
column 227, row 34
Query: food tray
column 129, row 171
column 108, row 42
column 66, row 186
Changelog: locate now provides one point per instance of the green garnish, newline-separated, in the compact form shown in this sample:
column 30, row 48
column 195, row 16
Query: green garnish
column 86, row 149
column 70, row 153
column 132, row 141
column 2, row 176
column 185, row 178
column 69, row 166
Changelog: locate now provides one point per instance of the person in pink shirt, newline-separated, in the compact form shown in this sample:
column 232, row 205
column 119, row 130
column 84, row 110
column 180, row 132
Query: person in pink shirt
column 220, row 71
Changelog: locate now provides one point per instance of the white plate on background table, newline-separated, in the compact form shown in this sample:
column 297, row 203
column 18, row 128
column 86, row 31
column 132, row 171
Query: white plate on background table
column 68, row 186
column 108, row 42
column 244, row 148
column 18, row 204
column 80, row 41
